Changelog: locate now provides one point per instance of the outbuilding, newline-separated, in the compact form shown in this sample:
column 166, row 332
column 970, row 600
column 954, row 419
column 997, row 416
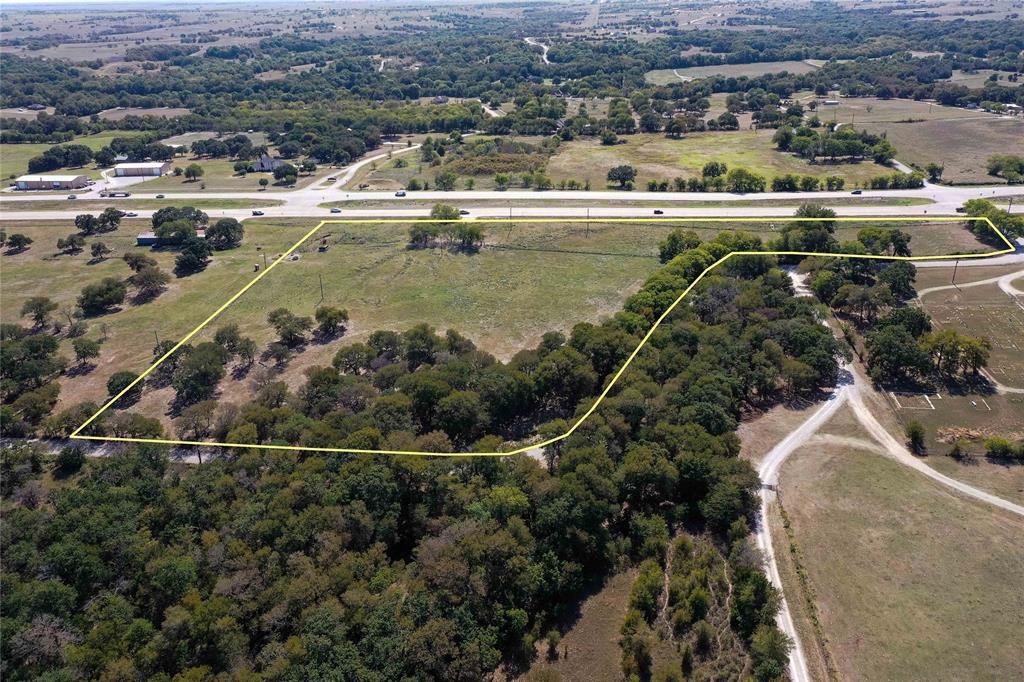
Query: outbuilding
column 147, row 168
column 151, row 238
column 51, row 181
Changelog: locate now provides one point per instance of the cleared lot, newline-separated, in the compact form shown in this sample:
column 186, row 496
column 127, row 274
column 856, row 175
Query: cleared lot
column 912, row 581
column 961, row 146
column 667, row 76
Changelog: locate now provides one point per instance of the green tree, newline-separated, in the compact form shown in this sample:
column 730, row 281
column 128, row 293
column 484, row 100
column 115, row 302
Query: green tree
column 98, row 298
column 18, row 242
column 445, row 181
column 290, row 328
column 99, row 250
column 194, row 171
column 73, row 243
column 915, row 436
column 138, row 260
column 150, row 281
column 194, row 256
column 226, row 233
column 444, row 212
column 622, row 175
column 331, row 320
column 39, row 308
column 198, row 373
column 121, row 380
column 85, row 349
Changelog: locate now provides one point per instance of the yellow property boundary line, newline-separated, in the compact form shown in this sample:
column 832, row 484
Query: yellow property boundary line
column 298, row 448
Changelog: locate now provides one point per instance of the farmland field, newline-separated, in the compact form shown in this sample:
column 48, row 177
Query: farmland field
column 668, row 76
column 961, row 146
column 660, row 158
column 901, row 567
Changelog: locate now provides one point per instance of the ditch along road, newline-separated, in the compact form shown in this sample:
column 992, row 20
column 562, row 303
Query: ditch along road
column 850, row 389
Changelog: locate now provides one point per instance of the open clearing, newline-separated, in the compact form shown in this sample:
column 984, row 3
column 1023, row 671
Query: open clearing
column 14, row 157
column 669, row 76
column 987, row 311
column 657, row 157
column 592, row 638
column 219, row 175
column 124, row 112
column 529, row 278
column 912, row 581
column 860, row 110
column 130, row 332
column 961, row 146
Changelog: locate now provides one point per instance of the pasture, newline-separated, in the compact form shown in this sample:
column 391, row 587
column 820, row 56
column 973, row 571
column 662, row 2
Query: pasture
column 669, row 76
column 962, row 145
column 902, row 568
column 660, row 158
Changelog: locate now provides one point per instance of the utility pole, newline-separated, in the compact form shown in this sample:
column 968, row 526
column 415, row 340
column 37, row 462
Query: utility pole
column 588, row 222
column 955, row 265
column 264, row 260
column 321, row 287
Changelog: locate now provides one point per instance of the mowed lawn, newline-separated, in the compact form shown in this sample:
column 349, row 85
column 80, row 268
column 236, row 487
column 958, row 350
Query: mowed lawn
column 132, row 331
column 657, row 157
column 961, row 146
column 14, row 157
column 912, row 581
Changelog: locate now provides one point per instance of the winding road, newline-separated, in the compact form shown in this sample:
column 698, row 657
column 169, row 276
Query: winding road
column 537, row 43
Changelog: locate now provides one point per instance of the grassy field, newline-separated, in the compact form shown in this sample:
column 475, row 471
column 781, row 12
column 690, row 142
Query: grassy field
column 592, row 637
column 961, row 146
column 14, row 157
column 527, row 280
column 984, row 310
column 669, row 76
column 913, row 582
column 976, row 79
column 124, row 112
column 219, row 175
column 135, row 204
column 659, row 158
column 131, row 331
column 859, row 110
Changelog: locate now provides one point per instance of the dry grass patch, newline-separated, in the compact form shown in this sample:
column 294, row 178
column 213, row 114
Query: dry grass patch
column 961, row 146
column 914, row 582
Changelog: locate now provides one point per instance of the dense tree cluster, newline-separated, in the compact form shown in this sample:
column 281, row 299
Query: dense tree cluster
column 390, row 568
